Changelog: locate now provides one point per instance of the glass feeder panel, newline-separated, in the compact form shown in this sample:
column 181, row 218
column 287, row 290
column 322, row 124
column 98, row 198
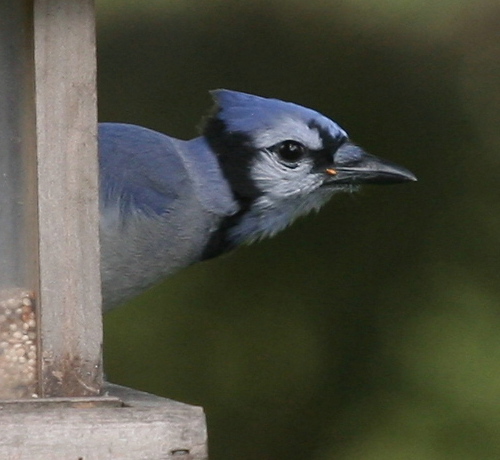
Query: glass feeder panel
column 18, row 205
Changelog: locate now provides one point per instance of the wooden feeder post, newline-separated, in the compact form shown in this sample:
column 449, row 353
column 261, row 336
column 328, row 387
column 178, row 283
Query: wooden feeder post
column 53, row 402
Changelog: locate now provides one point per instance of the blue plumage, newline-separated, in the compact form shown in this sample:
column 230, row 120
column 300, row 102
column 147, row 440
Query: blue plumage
column 254, row 115
column 167, row 203
column 133, row 173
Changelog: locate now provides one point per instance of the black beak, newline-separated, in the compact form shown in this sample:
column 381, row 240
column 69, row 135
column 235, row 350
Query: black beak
column 354, row 166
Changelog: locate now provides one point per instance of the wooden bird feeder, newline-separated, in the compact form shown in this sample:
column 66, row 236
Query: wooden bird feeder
column 53, row 401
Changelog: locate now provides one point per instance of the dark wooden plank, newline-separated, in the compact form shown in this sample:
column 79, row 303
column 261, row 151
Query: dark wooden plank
column 80, row 402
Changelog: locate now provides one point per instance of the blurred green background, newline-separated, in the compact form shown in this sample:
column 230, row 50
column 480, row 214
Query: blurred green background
column 368, row 331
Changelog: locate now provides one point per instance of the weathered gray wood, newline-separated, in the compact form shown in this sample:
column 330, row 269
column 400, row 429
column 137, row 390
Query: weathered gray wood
column 146, row 428
column 70, row 317
column 122, row 423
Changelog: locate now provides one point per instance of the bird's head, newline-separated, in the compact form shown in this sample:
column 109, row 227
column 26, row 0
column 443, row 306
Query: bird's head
column 282, row 160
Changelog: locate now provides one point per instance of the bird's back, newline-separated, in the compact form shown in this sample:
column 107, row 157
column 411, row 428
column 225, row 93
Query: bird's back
column 160, row 200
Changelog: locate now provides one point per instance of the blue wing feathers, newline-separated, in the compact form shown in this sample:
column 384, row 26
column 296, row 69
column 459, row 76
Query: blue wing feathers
column 140, row 169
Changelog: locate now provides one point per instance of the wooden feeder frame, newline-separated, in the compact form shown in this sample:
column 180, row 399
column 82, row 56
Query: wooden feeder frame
column 76, row 415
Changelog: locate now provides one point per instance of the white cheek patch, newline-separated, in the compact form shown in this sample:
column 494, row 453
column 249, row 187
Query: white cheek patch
column 278, row 181
column 288, row 129
column 286, row 193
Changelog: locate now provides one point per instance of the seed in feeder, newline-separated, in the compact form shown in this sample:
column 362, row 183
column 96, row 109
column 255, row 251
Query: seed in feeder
column 27, row 302
column 20, row 352
column 11, row 303
column 17, row 349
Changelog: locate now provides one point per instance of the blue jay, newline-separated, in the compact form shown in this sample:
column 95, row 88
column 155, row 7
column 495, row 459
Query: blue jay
column 260, row 163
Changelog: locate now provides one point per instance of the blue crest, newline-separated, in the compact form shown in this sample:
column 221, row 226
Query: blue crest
column 246, row 113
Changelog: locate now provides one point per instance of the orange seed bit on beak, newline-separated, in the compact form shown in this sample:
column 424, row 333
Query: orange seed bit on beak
column 331, row 171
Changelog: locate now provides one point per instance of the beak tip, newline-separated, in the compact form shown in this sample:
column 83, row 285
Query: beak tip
column 410, row 177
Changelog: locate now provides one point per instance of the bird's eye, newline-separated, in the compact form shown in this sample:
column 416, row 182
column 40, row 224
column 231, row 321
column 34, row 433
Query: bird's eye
column 290, row 151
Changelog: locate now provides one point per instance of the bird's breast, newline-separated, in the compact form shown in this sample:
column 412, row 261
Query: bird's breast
column 140, row 250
